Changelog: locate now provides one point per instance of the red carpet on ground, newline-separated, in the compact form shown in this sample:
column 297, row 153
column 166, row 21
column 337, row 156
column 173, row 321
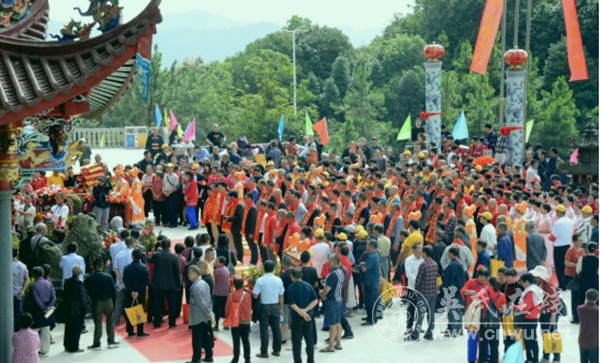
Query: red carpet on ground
column 166, row 344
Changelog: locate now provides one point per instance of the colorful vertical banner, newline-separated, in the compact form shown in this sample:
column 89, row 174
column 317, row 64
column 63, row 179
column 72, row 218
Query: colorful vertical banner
column 321, row 129
column 433, row 102
column 575, row 53
column 515, row 98
column 280, row 128
column 142, row 70
column 190, row 131
column 158, row 116
column 488, row 28
column 308, row 126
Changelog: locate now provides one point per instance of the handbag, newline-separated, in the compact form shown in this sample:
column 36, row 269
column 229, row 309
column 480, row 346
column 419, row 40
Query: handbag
column 232, row 320
column 573, row 285
column 136, row 313
column 495, row 265
column 553, row 343
column 508, row 322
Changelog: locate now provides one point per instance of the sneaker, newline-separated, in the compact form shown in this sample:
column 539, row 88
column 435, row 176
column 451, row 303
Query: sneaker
column 43, row 355
column 94, row 347
column 113, row 345
column 348, row 336
column 130, row 335
column 143, row 335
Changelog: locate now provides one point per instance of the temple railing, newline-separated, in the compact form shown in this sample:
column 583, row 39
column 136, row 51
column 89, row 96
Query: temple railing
column 115, row 137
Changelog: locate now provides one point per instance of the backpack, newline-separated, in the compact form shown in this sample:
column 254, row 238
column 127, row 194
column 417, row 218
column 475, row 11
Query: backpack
column 490, row 316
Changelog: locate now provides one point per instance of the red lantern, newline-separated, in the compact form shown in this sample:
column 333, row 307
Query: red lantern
column 433, row 51
column 516, row 57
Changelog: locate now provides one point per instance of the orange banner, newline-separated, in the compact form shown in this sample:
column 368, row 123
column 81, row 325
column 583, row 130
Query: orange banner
column 490, row 20
column 574, row 45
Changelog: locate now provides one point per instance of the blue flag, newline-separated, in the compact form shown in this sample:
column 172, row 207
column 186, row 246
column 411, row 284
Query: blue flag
column 460, row 132
column 514, row 353
column 158, row 116
column 280, row 129
column 142, row 70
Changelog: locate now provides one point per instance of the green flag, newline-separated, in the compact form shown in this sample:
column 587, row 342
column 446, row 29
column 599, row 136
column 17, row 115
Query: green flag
column 406, row 130
column 309, row 130
column 528, row 128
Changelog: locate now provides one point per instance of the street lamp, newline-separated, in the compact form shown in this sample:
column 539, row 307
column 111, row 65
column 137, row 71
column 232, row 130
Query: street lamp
column 294, row 31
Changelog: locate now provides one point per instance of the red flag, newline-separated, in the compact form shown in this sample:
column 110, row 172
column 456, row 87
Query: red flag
column 425, row 115
column 488, row 28
column 574, row 45
column 321, row 129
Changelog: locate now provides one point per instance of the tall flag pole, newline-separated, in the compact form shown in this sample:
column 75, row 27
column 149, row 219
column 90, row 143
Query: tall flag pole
column 405, row 132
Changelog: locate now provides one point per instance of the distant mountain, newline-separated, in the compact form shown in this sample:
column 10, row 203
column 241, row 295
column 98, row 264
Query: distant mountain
column 213, row 37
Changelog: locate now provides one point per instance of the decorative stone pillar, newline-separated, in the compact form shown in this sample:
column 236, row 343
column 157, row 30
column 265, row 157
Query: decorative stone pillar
column 515, row 98
column 9, row 173
column 433, row 93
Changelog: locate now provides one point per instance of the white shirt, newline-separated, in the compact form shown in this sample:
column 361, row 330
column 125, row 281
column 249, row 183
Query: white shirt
column 562, row 231
column 26, row 221
column 488, row 234
column 60, row 212
column 320, row 254
column 411, row 267
column 585, row 229
column 66, row 264
column 123, row 259
column 262, row 225
column 115, row 248
column 269, row 288
column 529, row 176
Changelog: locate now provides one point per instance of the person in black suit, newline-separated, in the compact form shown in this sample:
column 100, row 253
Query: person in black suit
column 250, row 227
column 76, row 305
column 236, row 225
column 166, row 280
column 135, row 277
column 101, row 289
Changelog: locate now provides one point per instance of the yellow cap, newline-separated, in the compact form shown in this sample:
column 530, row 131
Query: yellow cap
column 487, row 215
column 363, row 234
column 421, row 155
column 319, row 233
column 479, row 168
column 164, row 146
column 587, row 209
column 342, row 237
column 561, row 208
column 406, row 152
column 170, row 165
column 195, row 166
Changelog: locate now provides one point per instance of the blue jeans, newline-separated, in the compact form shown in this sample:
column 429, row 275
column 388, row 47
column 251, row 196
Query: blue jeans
column 17, row 312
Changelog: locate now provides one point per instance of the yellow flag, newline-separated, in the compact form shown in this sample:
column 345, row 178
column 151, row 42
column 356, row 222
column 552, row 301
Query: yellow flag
column 179, row 131
column 102, row 141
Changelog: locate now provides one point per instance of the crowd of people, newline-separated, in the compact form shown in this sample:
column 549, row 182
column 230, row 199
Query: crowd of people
column 451, row 224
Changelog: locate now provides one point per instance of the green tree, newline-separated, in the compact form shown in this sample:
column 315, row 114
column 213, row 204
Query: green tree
column 340, row 74
column 558, row 116
column 329, row 99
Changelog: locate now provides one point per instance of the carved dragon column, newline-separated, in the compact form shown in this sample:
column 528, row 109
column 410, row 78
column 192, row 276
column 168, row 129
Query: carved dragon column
column 9, row 173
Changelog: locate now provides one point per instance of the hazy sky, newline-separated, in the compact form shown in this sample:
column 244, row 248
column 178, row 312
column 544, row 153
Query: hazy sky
column 360, row 16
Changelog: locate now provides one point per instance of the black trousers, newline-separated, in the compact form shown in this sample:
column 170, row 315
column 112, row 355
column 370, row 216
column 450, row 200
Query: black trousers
column 129, row 303
column 147, row 202
column 171, row 209
column 160, row 215
column 209, row 230
column 302, row 329
column 253, row 249
column 370, row 299
column 178, row 301
column 242, row 333
column 532, row 349
column 159, row 298
column 361, row 294
column 588, row 355
column 269, row 317
column 73, row 327
column 489, row 339
column 201, row 339
column 239, row 246
column 559, row 265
